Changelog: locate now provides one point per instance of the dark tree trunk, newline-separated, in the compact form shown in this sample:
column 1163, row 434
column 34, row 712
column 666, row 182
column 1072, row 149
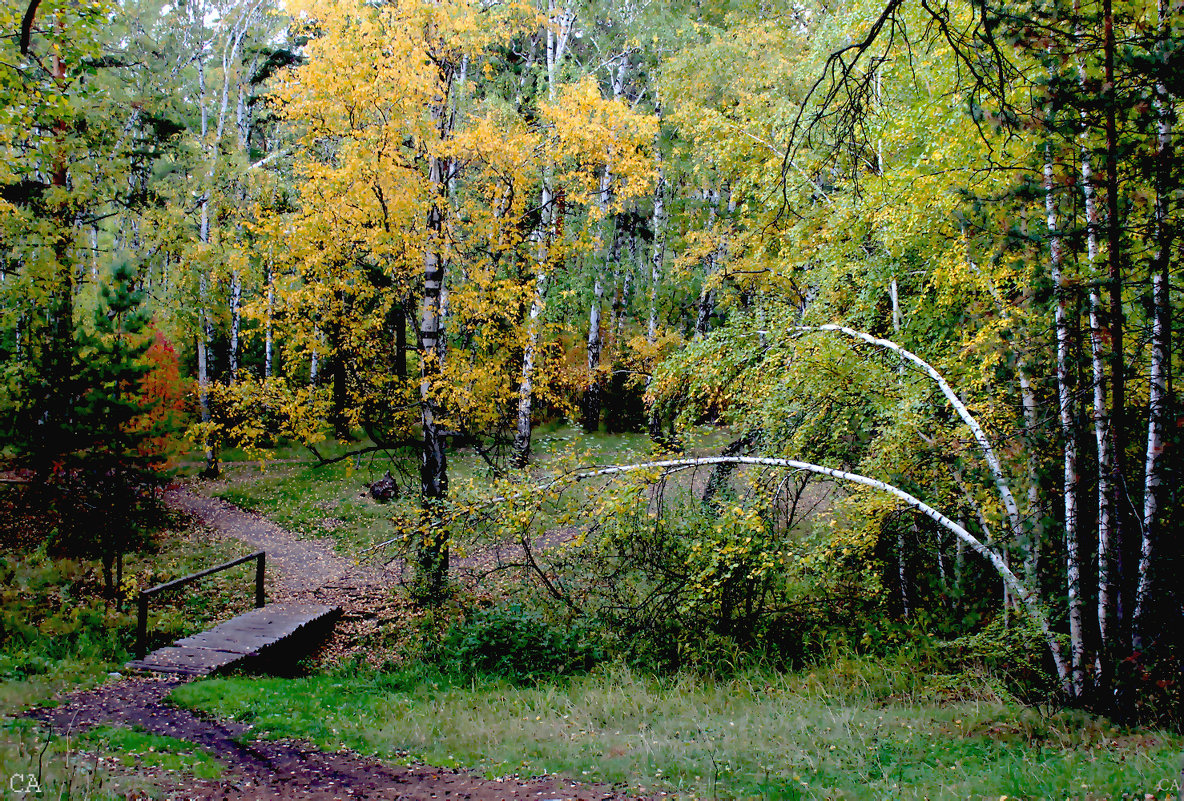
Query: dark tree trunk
column 399, row 315
column 433, row 471
column 723, row 471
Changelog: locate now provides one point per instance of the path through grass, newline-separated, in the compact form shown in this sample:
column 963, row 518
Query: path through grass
column 331, row 500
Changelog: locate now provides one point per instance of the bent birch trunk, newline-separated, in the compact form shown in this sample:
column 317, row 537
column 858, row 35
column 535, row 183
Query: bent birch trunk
column 1018, row 589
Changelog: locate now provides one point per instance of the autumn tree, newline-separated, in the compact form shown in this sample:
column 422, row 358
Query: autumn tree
column 417, row 171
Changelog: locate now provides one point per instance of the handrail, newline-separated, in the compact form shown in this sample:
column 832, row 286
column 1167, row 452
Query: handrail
column 142, row 601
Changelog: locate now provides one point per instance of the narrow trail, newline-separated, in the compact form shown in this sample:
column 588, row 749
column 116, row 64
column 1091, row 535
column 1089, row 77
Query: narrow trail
column 279, row 769
column 301, row 568
column 258, row 769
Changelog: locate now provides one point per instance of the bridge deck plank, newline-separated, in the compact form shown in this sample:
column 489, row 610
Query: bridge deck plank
column 246, row 637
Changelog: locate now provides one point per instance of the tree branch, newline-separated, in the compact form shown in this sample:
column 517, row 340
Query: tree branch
column 984, row 444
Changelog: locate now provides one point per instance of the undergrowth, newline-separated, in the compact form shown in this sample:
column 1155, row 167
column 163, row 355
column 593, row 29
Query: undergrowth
column 102, row 763
column 56, row 626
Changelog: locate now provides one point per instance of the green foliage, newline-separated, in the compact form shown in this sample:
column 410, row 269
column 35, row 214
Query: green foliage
column 517, row 643
column 100, row 763
column 671, row 579
column 94, row 452
column 57, row 628
column 1012, row 650
column 50, row 617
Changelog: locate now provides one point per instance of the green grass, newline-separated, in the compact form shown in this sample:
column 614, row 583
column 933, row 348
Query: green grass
column 58, row 635
column 861, row 729
column 104, row 762
column 329, row 501
column 132, row 748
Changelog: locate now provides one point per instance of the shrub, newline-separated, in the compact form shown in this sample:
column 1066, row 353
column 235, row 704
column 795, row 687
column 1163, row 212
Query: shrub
column 1014, row 653
column 518, row 644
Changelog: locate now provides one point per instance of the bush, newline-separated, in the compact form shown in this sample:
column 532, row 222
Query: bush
column 518, row 644
column 49, row 614
column 1014, row 653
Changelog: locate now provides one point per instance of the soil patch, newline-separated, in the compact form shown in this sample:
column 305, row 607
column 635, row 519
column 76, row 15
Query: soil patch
column 301, row 568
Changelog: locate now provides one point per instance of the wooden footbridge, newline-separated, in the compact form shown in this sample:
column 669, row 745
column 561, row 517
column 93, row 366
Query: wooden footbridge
column 257, row 639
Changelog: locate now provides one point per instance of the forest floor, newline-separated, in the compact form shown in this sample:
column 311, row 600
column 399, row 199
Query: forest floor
column 301, row 569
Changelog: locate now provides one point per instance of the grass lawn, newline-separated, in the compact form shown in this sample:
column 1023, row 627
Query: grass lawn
column 859, row 729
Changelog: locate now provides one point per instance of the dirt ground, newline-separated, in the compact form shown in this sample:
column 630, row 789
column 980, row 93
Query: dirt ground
column 269, row 769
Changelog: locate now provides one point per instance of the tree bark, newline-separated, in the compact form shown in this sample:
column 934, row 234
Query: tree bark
column 433, row 468
column 1068, row 418
column 1034, row 542
column 433, row 556
column 980, row 437
column 560, row 21
column 1159, row 378
column 705, row 306
column 236, row 297
column 591, row 406
column 657, row 258
column 1100, row 414
column 1124, row 546
column 268, row 332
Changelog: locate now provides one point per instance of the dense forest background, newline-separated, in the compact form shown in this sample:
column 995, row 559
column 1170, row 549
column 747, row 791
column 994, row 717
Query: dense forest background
column 926, row 250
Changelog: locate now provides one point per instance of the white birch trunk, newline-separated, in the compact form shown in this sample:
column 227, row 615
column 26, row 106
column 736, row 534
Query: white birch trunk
column 203, row 374
column 980, row 437
column 1068, row 415
column 657, row 258
column 902, row 575
column 314, row 361
column 1101, row 418
column 267, row 324
column 594, row 325
column 205, row 327
column 558, row 29
column 1018, row 589
column 521, row 452
column 901, row 572
column 658, row 254
column 230, row 50
column 706, row 302
column 1160, row 365
column 236, row 298
column 1035, row 509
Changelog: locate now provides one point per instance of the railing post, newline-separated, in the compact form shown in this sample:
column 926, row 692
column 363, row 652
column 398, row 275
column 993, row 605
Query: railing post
column 142, row 625
column 142, row 603
column 259, row 579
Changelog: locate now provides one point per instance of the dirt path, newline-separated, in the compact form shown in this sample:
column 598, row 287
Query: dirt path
column 301, row 568
column 262, row 769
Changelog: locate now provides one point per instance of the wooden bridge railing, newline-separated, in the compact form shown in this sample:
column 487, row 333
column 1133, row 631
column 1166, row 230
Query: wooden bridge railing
column 142, row 602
